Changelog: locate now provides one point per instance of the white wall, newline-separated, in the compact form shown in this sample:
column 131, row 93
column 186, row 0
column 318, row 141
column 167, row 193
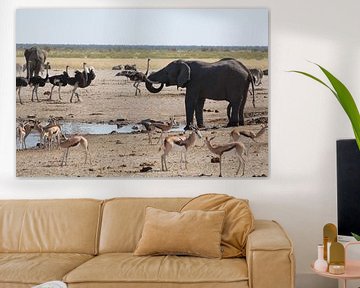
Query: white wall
column 305, row 121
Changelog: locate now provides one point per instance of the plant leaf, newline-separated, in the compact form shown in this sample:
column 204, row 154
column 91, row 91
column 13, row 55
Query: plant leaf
column 357, row 237
column 347, row 102
column 316, row 79
column 344, row 97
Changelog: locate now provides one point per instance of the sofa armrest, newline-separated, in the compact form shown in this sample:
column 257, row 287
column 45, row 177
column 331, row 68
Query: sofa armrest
column 269, row 256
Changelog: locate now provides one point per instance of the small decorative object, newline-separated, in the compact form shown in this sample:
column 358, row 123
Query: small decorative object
column 320, row 264
column 328, row 252
column 336, row 269
column 330, row 236
column 337, row 258
column 344, row 97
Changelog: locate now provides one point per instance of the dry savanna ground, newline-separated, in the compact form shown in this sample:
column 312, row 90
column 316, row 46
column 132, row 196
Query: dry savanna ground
column 110, row 98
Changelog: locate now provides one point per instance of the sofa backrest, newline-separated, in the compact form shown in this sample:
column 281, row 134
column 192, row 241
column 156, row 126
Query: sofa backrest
column 66, row 226
column 123, row 220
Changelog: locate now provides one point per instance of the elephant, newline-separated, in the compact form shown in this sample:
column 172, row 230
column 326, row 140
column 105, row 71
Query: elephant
column 227, row 79
column 258, row 74
column 35, row 59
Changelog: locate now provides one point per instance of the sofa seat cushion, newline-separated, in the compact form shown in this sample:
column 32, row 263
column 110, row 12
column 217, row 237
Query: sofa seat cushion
column 36, row 268
column 127, row 268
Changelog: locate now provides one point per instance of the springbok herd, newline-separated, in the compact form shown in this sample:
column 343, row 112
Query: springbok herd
column 51, row 136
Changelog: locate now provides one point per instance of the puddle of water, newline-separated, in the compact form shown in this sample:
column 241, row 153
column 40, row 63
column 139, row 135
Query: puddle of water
column 70, row 128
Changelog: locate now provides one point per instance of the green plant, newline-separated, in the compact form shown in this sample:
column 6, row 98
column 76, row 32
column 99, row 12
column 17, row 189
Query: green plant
column 356, row 236
column 344, row 97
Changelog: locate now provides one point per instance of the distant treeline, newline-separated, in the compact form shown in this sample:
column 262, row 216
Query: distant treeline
column 147, row 51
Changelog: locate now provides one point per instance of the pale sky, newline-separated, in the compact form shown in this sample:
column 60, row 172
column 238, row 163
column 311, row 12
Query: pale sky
column 208, row 27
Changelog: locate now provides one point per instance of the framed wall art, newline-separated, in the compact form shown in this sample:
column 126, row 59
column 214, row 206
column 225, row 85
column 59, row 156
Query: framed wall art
column 142, row 93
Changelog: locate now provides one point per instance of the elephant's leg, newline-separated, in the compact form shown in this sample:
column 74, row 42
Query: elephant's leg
column 242, row 106
column 199, row 113
column 190, row 103
column 228, row 111
column 234, row 117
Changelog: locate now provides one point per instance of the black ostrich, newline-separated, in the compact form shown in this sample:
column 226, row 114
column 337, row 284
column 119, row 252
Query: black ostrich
column 136, row 76
column 21, row 82
column 81, row 80
column 130, row 67
column 59, row 80
column 38, row 81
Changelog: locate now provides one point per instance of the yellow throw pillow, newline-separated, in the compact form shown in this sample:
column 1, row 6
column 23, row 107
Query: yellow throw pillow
column 238, row 224
column 196, row 233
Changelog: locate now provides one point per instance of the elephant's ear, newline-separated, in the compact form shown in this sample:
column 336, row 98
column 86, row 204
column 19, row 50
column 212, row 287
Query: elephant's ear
column 184, row 74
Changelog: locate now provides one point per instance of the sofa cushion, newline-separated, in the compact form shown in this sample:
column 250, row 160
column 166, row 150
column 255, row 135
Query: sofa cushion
column 62, row 226
column 193, row 232
column 36, row 268
column 123, row 220
column 238, row 223
column 126, row 268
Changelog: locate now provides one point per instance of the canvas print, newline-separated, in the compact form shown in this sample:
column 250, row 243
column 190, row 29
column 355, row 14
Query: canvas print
column 142, row 93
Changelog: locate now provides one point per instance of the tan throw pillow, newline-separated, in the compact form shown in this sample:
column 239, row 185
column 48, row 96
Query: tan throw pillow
column 196, row 233
column 239, row 220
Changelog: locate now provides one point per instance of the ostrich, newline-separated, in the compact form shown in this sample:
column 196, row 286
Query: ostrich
column 74, row 141
column 38, row 81
column 21, row 82
column 136, row 76
column 130, row 67
column 59, row 80
column 81, row 80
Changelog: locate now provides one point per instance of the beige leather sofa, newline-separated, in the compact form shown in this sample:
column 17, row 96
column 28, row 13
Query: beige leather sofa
column 89, row 243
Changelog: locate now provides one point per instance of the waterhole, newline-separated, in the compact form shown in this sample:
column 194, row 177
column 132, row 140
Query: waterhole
column 71, row 128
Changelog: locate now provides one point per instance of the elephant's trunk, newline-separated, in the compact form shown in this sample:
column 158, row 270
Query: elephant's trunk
column 150, row 87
